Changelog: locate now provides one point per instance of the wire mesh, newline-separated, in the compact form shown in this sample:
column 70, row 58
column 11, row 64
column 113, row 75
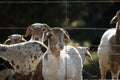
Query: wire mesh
column 87, row 74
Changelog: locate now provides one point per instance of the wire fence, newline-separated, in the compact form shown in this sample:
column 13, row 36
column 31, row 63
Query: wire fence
column 91, row 70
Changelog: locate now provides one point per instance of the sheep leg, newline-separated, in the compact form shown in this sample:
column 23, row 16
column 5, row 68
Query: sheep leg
column 114, row 71
column 103, row 73
column 114, row 76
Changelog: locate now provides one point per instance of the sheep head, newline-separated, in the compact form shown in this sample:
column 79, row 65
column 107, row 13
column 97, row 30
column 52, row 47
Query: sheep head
column 37, row 30
column 57, row 36
column 14, row 38
column 84, row 52
column 116, row 18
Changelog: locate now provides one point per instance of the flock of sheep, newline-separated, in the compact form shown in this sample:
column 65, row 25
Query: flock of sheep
column 37, row 60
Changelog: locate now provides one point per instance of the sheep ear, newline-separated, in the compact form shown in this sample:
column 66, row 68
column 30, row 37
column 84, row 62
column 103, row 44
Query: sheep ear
column 9, row 36
column 7, row 42
column 28, row 31
column 22, row 36
column 89, row 56
column 46, row 36
column 23, row 40
column 114, row 20
column 66, row 35
column 46, row 28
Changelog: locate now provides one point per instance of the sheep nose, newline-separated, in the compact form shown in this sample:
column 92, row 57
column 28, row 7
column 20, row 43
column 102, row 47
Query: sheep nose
column 61, row 46
column 36, row 38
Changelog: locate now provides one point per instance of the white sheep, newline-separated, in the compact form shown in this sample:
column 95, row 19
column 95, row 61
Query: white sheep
column 23, row 57
column 61, row 62
column 109, row 50
column 14, row 38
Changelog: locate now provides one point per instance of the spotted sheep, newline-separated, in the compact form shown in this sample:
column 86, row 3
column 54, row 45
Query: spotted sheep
column 109, row 50
column 12, row 39
column 23, row 57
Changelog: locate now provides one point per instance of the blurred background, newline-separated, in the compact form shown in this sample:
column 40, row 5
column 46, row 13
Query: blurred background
column 85, row 21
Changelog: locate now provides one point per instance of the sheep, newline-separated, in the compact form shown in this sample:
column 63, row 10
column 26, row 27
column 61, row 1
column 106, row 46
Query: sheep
column 23, row 57
column 14, row 38
column 61, row 62
column 37, row 31
column 109, row 50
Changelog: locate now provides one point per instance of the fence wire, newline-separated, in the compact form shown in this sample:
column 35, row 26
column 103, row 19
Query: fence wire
column 65, row 28
column 87, row 74
column 68, row 1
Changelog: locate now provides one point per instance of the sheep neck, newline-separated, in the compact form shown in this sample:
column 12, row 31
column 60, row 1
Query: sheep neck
column 117, row 38
column 115, row 55
column 117, row 34
column 53, row 48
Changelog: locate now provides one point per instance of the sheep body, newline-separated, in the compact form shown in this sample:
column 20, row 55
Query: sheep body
column 104, row 48
column 61, row 62
column 108, row 57
column 67, row 66
column 24, row 57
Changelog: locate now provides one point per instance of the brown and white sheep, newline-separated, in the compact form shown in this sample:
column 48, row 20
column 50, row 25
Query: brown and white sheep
column 61, row 62
column 109, row 50
column 37, row 31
